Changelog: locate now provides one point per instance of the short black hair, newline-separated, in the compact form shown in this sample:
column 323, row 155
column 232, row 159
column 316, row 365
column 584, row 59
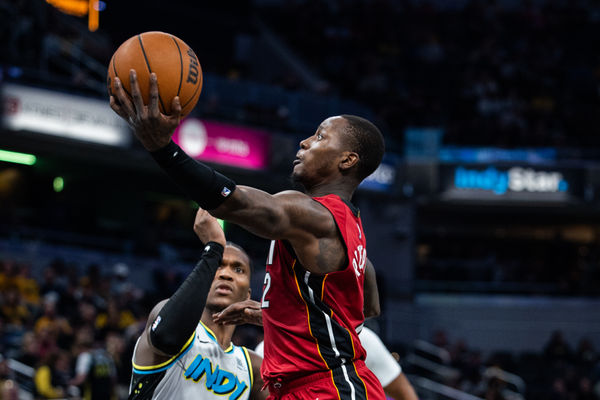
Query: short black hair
column 240, row 248
column 367, row 141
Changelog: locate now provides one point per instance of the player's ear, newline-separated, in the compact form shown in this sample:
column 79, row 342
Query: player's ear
column 249, row 294
column 348, row 160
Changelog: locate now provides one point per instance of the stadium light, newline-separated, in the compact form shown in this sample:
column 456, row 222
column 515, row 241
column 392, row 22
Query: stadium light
column 58, row 184
column 17, row 158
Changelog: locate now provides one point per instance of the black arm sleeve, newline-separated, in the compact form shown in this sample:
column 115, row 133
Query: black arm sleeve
column 179, row 317
column 203, row 184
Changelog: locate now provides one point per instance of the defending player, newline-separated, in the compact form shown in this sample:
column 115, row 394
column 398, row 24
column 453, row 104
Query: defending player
column 313, row 291
column 182, row 354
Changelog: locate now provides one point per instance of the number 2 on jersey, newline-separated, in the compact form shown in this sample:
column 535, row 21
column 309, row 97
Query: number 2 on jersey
column 267, row 282
column 266, row 287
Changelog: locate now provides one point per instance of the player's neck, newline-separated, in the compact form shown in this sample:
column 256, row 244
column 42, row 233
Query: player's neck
column 223, row 333
column 341, row 189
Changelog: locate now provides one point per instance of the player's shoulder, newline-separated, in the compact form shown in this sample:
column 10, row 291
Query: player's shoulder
column 299, row 202
column 292, row 195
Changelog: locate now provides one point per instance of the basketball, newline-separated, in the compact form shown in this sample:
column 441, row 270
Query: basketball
column 175, row 64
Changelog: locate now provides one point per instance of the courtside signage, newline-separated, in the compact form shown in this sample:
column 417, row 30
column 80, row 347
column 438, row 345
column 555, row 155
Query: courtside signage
column 53, row 113
column 223, row 143
column 516, row 179
column 508, row 183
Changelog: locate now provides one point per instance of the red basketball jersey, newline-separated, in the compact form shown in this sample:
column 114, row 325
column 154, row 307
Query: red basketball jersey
column 309, row 320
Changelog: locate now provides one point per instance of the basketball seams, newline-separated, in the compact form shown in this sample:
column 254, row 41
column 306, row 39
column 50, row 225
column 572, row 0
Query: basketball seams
column 154, row 52
column 191, row 98
column 180, row 65
column 114, row 63
column 150, row 70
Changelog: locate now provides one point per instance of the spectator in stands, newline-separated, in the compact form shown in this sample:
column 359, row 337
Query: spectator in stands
column 86, row 317
column 28, row 287
column 120, row 284
column 5, row 373
column 56, row 325
column 52, row 376
column 9, row 390
column 86, row 291
column 494, row 390
column 14, row 310
column 586, row 354
column 557, row 348
column 95, row 370
column 116, row 347
column 559, row 390
column 29, row 352
column 8, row 387
column 47, row 343
column 50, row 282
column 114, row 319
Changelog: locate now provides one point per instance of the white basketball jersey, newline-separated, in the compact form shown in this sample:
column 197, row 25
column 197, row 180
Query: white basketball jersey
column 202, row 371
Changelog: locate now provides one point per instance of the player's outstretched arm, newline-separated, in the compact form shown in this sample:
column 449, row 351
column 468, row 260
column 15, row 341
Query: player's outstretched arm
column 272, row 217
column 172, row 322
column 243, row 312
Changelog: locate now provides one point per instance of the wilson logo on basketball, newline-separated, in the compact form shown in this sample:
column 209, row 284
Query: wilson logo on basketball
column 193, row 71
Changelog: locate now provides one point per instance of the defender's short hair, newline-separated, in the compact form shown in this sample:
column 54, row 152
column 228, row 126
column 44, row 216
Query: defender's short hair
column 240, row 248
column 367, row 141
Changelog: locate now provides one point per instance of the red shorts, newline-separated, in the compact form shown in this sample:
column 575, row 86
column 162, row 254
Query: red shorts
column 349, row 382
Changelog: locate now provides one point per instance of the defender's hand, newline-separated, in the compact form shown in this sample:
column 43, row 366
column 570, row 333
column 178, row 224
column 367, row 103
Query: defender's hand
column 207, row 228
column 152, row 128
column 244, row 312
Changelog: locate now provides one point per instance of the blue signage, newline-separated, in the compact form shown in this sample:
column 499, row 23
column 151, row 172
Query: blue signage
column 515, row 179
column 455, row 154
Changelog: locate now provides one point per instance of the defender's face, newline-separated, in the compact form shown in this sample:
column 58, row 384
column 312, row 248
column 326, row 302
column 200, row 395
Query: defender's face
column 232, row 280
column 319, row 154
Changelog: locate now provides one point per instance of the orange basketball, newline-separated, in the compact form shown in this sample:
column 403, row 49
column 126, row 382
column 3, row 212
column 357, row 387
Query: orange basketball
column 174, row 63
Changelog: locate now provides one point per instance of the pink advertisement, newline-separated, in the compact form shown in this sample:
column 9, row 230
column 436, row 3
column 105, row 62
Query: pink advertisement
column 223, row 143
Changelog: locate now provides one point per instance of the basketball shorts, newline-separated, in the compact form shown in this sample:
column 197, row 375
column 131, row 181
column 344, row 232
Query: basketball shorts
column 349, row 382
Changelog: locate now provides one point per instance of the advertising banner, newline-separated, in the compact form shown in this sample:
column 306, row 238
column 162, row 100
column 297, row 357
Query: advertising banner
column 510, row 183
column 54, row 113
column 224, row 143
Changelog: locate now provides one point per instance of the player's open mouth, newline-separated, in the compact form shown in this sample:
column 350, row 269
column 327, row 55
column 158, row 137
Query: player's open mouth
column 297, row 161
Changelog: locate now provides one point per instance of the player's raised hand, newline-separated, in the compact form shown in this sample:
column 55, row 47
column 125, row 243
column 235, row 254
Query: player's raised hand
column 243, row 312
column 152, row 128
column 207, row 228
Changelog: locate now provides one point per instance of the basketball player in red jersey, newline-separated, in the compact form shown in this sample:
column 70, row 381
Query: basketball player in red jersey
column 313, row 295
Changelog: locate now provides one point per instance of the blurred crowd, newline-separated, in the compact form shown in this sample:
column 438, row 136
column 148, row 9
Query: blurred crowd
column 491, row 72
column 75, row 329
column 559, row 372
column 553, row 267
